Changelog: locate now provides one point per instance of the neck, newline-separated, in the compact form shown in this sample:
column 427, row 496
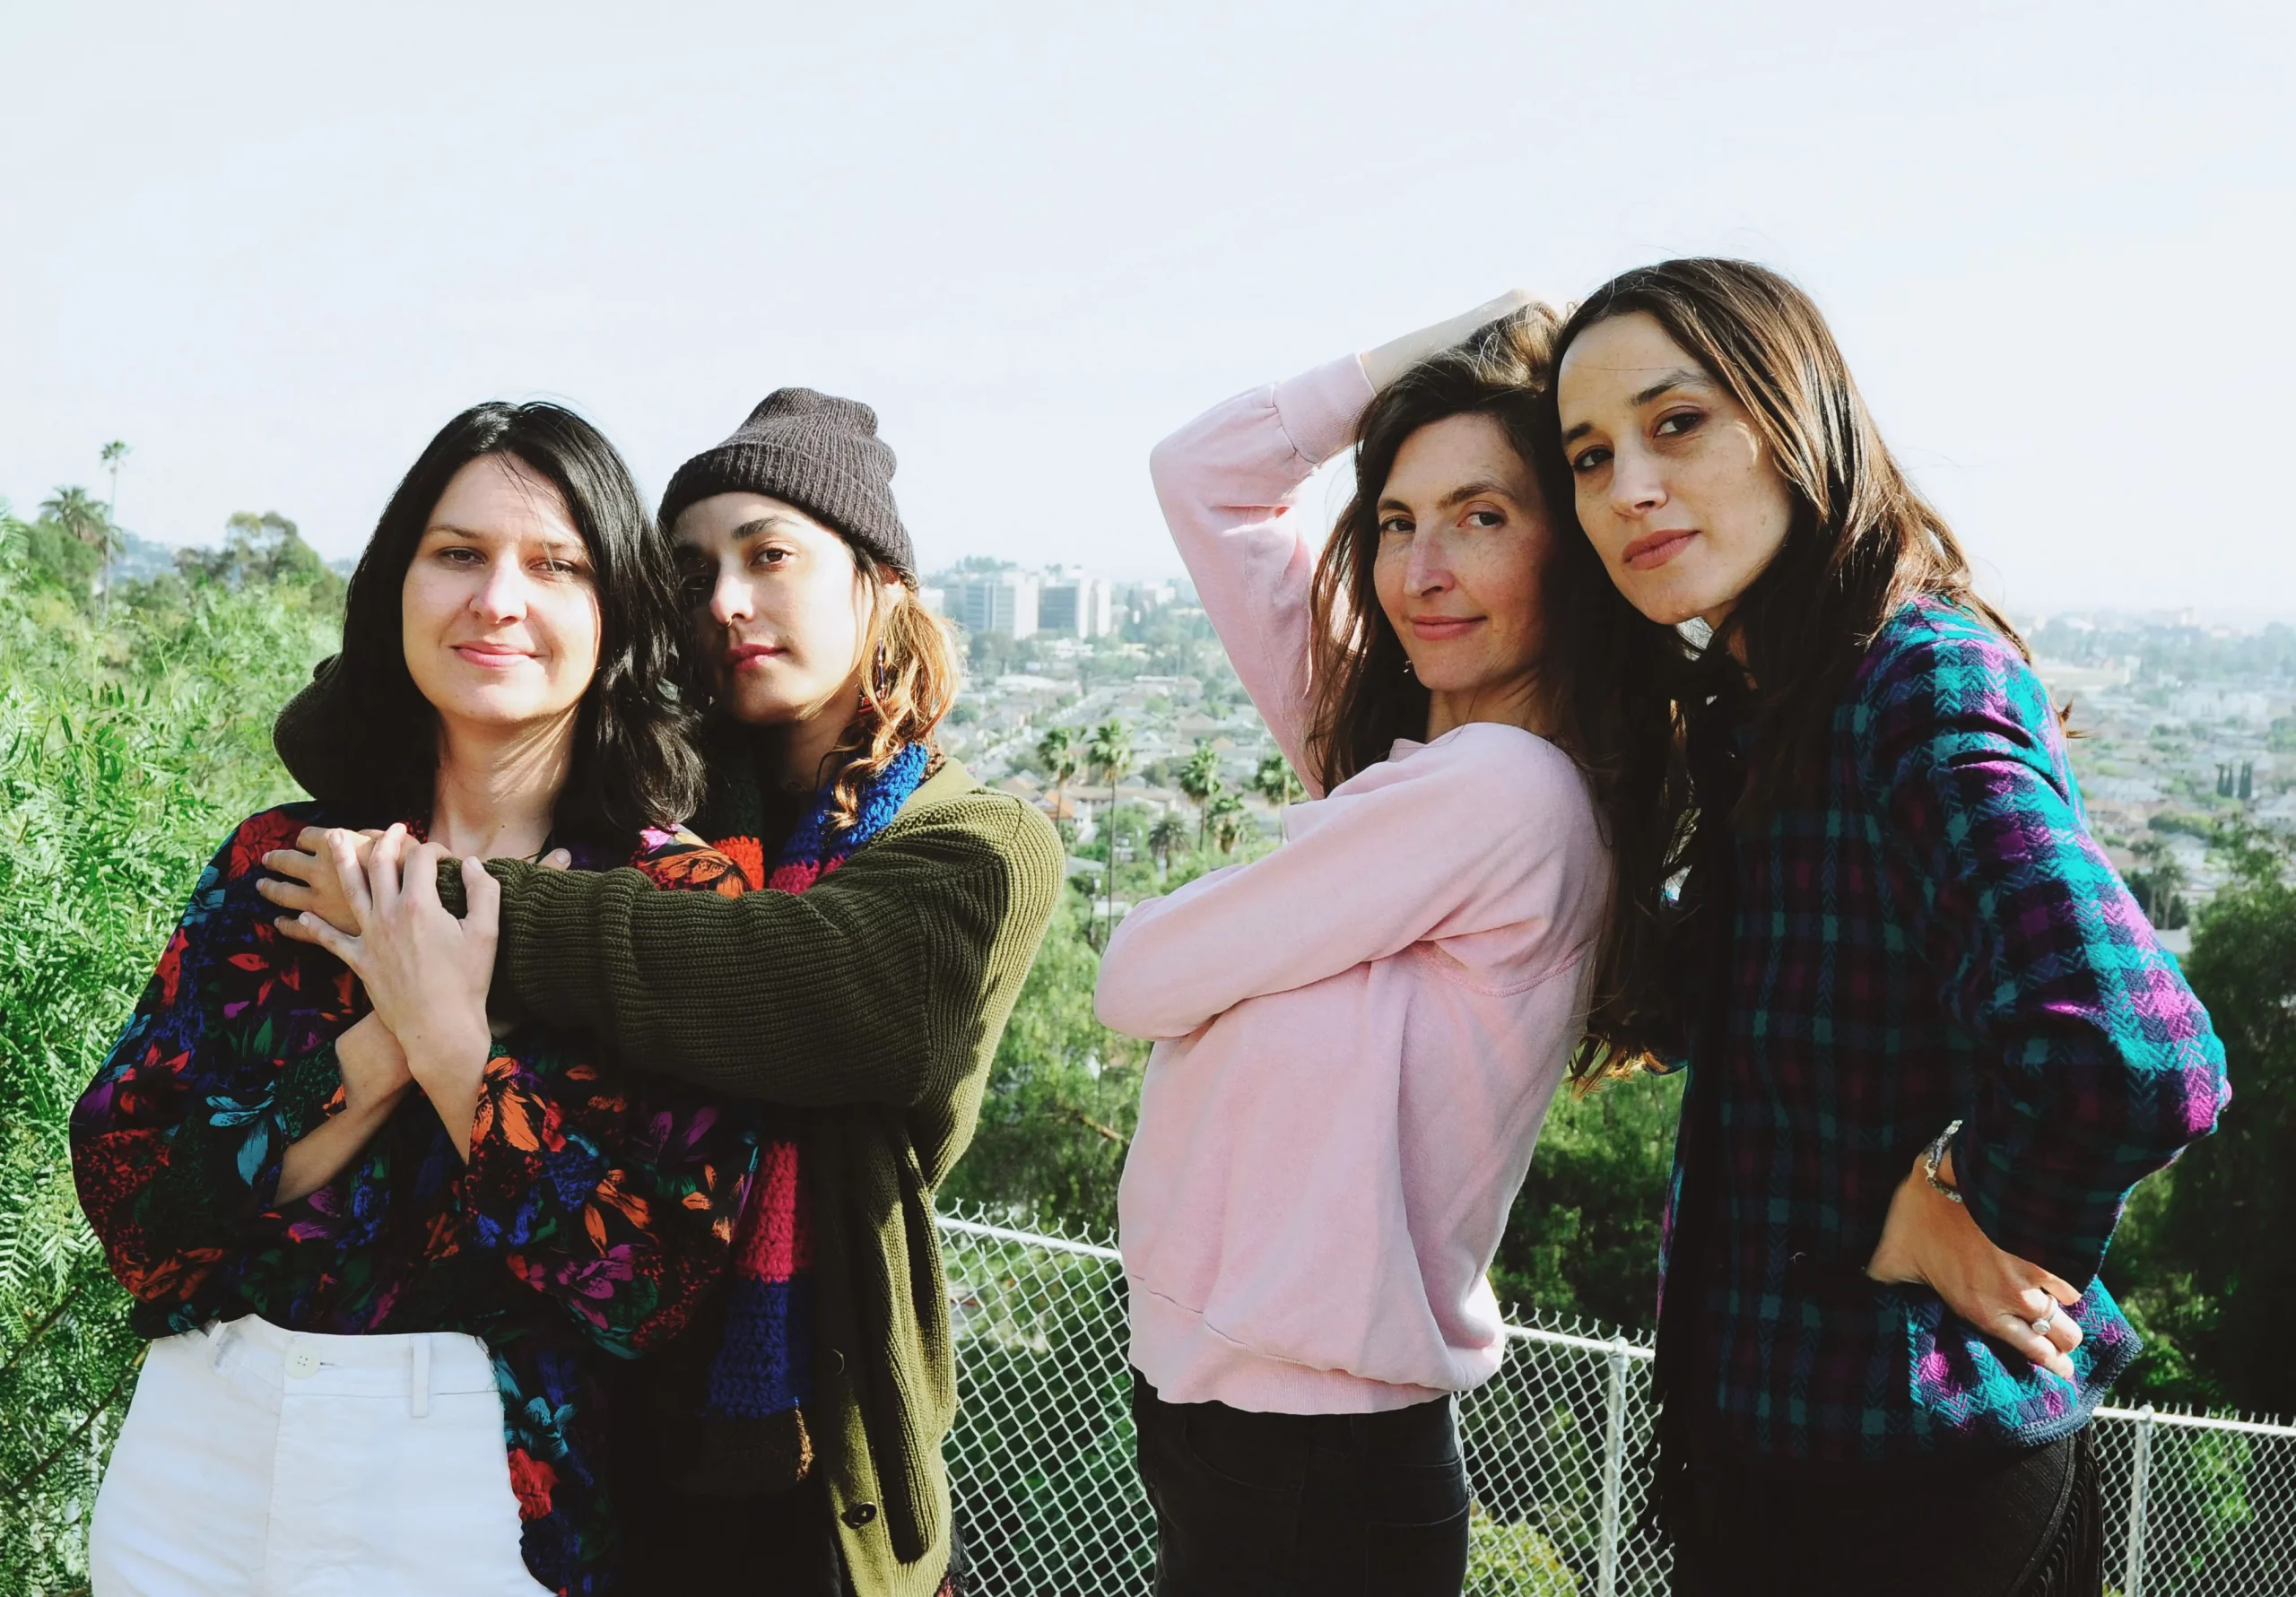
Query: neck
column 497, row 787
column 1514, row 703
column 811, row 740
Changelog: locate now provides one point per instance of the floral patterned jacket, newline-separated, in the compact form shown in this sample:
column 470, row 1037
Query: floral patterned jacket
column 596, row 1211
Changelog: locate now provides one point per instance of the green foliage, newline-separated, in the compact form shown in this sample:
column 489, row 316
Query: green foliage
column 2208, row 1252
column 1063, row 1098
column 1583, row 1239
column 1514, row 1560
column 127, row 752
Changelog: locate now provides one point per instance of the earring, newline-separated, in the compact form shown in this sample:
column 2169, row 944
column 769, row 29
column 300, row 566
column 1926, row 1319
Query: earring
column 1406, row 666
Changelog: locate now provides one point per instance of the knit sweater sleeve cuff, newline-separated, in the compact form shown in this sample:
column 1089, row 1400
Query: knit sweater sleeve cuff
column 1319, row 409
column 551, row 952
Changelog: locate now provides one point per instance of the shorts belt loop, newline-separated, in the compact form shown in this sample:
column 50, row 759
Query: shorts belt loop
column 219, row 1337
column 419, row 1387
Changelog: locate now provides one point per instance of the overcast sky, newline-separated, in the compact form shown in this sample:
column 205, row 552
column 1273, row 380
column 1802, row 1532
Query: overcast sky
column 274, row 248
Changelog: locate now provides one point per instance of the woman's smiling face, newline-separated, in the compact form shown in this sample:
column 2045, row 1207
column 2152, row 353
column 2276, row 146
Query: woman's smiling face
column 1675, row 485
column 498, row 611
column 1463, row 544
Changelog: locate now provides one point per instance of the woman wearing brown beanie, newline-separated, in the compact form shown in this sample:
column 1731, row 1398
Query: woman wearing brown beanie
column 849, row 990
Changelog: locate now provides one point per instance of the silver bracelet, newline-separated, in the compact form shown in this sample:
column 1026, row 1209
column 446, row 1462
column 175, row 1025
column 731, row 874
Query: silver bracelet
column 1935, row 1156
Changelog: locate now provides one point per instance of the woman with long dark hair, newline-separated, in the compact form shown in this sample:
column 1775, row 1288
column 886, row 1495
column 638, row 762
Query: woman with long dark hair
column 1932, row 1042
column 1359, row 1035
column 383, row 1249
column 849, row 1000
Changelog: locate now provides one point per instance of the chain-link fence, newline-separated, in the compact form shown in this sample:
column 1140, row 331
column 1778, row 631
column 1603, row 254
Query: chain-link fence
column 1051, row 1507
column 1042, row 1456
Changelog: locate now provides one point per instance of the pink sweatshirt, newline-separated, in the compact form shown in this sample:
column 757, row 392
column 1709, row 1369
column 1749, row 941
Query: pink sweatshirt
column 1358, row 1035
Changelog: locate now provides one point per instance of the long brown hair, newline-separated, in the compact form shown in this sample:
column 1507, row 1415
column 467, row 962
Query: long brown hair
column 1861, row 542
column 1361, row 698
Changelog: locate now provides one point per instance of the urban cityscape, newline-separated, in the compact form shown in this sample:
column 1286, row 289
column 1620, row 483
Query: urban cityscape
column 2175, row 725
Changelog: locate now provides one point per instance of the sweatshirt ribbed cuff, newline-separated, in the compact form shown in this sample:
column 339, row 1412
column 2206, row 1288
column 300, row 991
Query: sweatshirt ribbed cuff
column 1318, row 409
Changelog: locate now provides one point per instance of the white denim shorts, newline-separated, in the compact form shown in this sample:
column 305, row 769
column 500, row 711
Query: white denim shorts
column 261, row 1462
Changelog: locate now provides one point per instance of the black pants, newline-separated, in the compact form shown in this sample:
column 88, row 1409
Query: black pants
column 1303, row 1504
column 676, row 1544
column 2025, row 1524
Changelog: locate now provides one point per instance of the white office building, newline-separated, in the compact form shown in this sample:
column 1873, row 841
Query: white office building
column 996, row 602
column 1072, row 604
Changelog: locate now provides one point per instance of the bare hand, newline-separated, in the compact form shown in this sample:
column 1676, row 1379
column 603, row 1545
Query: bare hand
column 312, row 883
column 425, row 971
column 1391, row 360
column 1932, row 1240
column 314, row 886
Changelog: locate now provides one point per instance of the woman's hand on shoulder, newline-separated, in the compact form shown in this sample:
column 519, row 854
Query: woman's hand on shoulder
column 1932, row 1241
column 1388, row 361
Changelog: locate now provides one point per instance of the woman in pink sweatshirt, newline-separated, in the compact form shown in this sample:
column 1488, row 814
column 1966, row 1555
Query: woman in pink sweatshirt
column 1357, row 1036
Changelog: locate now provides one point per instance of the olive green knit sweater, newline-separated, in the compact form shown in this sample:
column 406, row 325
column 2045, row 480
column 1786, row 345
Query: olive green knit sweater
column 872, row 1004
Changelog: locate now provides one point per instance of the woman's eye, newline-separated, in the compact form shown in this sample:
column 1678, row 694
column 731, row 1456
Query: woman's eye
column 1485, row 519
column 1395, row 526
column 1679, row 422
column 1587, row 460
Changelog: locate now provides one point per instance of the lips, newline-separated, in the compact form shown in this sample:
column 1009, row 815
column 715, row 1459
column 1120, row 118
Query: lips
column 496, row 655
column 742, row 654
column 1653, row 549
column 1434, row 628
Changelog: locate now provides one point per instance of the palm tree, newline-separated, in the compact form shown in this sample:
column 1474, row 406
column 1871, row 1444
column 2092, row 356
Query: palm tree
column 1109, row 754
column 76, row 511
column 1168, row 833
column 1227, row 822
column 1058, row 750
column 1275, row 782
column 1199, row 779
column 112, row 454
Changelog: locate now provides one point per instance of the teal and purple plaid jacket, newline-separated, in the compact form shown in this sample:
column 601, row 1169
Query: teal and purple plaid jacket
column 1932, row 935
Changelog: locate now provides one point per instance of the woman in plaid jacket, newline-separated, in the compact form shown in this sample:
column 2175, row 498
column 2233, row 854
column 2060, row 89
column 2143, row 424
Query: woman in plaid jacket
column 1932, row 1042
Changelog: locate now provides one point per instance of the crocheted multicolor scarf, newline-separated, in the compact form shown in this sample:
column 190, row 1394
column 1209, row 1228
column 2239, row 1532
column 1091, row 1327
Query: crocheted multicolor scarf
column 762, row 1376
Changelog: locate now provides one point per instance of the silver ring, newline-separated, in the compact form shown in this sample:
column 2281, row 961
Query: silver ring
column 2041, row 1326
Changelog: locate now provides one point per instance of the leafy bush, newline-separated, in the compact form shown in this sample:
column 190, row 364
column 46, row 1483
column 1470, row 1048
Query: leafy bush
column 127, row 752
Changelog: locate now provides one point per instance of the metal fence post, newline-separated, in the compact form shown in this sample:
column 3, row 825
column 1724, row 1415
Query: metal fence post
column 2132, row 1581
column 1613, row 1462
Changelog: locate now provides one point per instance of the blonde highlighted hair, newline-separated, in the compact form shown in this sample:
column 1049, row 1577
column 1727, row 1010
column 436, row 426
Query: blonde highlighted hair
column 909, row 685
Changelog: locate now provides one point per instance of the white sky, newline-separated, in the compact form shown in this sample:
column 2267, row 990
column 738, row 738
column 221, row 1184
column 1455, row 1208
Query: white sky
column 275, row 246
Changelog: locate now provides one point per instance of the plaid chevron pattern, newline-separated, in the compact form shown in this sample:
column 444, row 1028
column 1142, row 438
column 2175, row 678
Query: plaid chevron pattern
column 1932, row 935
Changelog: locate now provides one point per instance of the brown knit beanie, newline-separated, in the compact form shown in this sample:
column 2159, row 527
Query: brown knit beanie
column 817, row 452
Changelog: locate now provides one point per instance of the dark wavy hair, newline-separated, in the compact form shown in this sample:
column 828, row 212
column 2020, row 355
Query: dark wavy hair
column 364, row 737
column 1861, row 541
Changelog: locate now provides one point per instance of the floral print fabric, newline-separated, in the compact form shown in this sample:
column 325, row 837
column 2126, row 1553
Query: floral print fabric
column 596, row 1211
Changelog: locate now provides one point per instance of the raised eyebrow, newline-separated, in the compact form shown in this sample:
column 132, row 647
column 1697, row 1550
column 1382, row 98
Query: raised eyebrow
column 1486, row 489
column 1680, row 377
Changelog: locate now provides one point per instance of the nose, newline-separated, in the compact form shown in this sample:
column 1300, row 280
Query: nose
column 1429, row 571
column 502, row 597
column 1638, row 485
column 732, row 599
